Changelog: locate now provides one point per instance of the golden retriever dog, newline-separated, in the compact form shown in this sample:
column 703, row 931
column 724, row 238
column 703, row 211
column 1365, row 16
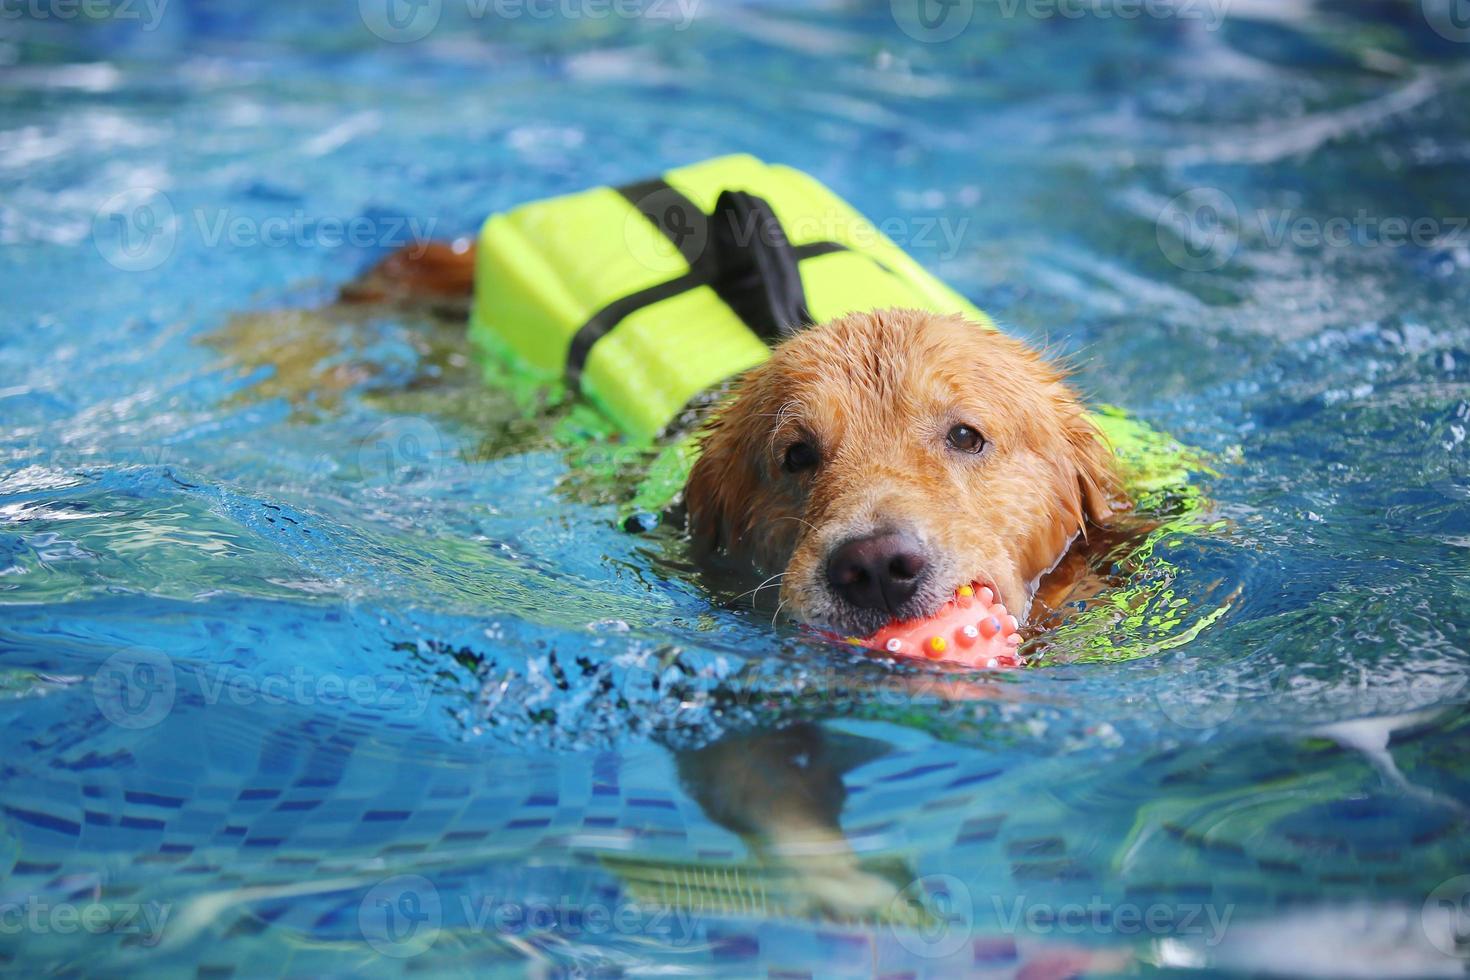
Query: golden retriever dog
column 877, row 462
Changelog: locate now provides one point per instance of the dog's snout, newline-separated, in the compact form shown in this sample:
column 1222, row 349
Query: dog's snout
column 881, row 571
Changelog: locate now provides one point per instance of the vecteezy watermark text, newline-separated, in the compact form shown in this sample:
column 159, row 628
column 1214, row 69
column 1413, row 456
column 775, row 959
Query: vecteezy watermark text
column 402, row 917
column 137, row 688
column 1210, row 12
column 148, row 13
column 36, row 916
column 1201, row 229
column 665, row 230
column 139, row 229
column 406, row 21
column 936, row 916
column 1097, row 916
column 935, row 21
column 1362, row 229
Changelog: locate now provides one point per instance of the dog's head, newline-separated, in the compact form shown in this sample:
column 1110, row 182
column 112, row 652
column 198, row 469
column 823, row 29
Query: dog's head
column 882, row 460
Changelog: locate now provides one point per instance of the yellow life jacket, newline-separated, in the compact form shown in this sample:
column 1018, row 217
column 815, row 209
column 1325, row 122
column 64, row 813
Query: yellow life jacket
column 642, row 297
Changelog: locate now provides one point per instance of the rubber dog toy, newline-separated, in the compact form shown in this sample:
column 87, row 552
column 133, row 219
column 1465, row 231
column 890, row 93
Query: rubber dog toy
column 973, row 629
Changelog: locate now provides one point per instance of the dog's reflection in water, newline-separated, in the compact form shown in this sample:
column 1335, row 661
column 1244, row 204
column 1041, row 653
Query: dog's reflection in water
column 782, row 791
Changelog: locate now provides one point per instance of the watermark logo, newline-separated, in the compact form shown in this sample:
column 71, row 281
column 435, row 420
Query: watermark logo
column 136, row 230
column 942, row 914
column 135, row 688
column 1198, row 230
column 1450, row 19
column 401, row 916
column 664, row 225
column 400, row 451
column 1445, row 917
column 400, row 21
column 932, row 21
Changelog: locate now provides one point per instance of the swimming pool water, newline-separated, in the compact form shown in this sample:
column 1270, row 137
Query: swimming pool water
column 322, row 657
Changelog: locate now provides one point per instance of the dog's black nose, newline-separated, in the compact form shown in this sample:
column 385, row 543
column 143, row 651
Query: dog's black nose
column 877, row 572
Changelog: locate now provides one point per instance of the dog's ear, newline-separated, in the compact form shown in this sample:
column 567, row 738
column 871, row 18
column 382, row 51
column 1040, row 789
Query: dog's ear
column 1091, row 460
column 722, row 485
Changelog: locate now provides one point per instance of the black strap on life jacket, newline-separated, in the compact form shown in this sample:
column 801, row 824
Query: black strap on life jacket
column 739, row 250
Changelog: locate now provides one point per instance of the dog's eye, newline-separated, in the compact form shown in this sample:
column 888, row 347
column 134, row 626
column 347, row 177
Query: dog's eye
column 799, row 456
column 964, row 439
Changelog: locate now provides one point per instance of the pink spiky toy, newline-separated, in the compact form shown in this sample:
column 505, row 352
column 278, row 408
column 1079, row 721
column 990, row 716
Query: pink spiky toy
column 974, row 629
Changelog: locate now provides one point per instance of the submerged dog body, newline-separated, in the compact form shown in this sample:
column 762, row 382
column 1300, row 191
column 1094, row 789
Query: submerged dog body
column 877, row 462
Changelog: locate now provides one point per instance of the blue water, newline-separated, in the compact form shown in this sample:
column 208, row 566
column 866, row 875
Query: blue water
column 322, row 657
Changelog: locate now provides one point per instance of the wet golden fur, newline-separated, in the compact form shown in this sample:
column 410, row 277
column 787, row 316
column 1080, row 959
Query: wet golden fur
column 875, row 395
